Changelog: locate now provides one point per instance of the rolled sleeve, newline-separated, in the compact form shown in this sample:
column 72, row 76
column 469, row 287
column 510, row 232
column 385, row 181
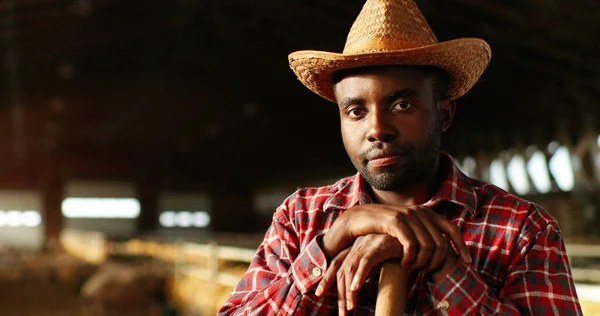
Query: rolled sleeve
column 309, row 267
column 539, row 282
column 462, row 291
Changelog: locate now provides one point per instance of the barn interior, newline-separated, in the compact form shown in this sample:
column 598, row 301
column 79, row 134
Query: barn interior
column 151, row 141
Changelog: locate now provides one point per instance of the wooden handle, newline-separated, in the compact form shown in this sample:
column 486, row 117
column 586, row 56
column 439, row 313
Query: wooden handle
column 392, row 290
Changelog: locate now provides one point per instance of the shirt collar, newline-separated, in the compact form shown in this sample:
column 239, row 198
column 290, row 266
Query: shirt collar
column 456, row 188
column 350, row 192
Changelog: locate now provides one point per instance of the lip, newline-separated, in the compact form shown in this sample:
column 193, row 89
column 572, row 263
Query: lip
column 384, row 161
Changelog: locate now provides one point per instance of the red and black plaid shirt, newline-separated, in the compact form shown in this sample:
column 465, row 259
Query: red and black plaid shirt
column 520, row 265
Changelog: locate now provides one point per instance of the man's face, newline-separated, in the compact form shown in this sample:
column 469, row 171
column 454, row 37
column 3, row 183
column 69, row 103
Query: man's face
column 390, row 125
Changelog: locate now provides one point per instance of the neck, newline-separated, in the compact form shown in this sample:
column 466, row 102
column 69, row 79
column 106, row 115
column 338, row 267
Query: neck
column 416, row 194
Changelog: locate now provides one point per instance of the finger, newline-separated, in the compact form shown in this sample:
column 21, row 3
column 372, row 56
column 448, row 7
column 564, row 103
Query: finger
column 364, row 247
column 366, row 264
column 406, row 237
column 366, row 219
column 331, row 274
column 441, row 244
column 454, row 233
column 426, row 243
column 349, row 270
column 341, row 287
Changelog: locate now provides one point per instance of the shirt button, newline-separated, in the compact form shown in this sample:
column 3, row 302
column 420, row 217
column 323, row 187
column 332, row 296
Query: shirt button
column 443, row 305
column 317, row 272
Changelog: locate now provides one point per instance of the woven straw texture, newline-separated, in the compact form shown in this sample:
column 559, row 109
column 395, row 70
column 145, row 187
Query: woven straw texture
column 394, row 32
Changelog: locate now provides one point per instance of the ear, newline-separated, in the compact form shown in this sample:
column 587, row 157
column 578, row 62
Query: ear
column 446, row 110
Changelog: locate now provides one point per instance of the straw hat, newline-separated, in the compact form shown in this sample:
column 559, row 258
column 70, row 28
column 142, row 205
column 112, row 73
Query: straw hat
column 394, row 32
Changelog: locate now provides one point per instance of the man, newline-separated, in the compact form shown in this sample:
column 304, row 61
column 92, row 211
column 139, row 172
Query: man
column 471, row 248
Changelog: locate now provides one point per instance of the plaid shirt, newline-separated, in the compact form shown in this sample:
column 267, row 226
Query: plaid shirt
column 519, row 266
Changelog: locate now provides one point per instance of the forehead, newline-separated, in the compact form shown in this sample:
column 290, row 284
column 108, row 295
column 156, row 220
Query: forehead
column 382, row 79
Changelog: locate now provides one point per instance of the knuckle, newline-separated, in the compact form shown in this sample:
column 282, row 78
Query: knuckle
column 399, row 248
column 386, row 239
column 364, row 261
column 410, row 248
column 350, row 268
column 373, row 238
column 427, row 247
column 439, row 243
column 398, row 217
column 345, row 271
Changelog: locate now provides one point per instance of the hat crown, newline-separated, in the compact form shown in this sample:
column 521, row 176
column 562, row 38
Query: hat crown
column 388, row 25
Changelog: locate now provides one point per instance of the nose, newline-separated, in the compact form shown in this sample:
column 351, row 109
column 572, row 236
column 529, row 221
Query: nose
column 381, row 127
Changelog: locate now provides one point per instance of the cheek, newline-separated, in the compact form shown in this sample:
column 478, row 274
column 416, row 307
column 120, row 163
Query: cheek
column 418, row 128
column 428, row 133
column 351, row 136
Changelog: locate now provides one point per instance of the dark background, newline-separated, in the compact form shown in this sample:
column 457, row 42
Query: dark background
column 197, row 96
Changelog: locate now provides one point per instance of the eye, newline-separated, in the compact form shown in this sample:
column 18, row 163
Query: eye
column 402, row 105
column 355, row 112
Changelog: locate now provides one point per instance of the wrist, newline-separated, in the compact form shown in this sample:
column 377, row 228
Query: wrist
column 327, row 245
column 336, row 239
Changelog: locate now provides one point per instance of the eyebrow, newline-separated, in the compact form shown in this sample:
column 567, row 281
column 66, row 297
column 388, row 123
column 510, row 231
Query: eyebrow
column 388, row 98
column 348, row 101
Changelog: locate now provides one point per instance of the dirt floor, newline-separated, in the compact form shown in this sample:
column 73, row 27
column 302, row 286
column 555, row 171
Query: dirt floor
column 42, row 298
column 38, row 298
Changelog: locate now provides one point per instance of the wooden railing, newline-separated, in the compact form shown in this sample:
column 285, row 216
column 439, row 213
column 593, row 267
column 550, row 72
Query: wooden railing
column 205, row 261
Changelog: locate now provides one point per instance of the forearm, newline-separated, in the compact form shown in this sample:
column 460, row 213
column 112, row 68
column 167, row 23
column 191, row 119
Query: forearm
column 538, row 282
column 273, row 299
column 464, row 292
column 336, row 239
column 279, row 293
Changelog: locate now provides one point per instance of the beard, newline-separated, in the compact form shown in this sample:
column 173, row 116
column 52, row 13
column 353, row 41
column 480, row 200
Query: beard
column 416, row 163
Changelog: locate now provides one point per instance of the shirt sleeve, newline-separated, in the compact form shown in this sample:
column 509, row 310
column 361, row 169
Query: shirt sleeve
column 281, row 279
column 539, row 282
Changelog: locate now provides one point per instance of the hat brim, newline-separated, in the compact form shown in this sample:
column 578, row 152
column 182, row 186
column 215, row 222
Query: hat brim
column 464, row 60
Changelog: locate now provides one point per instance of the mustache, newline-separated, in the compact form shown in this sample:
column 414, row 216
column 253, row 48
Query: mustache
column 387, row 150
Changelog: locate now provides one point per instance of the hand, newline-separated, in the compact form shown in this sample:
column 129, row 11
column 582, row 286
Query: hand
column 363, row 258
column 352, row 266
column 418, row 229
column 330, row 277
